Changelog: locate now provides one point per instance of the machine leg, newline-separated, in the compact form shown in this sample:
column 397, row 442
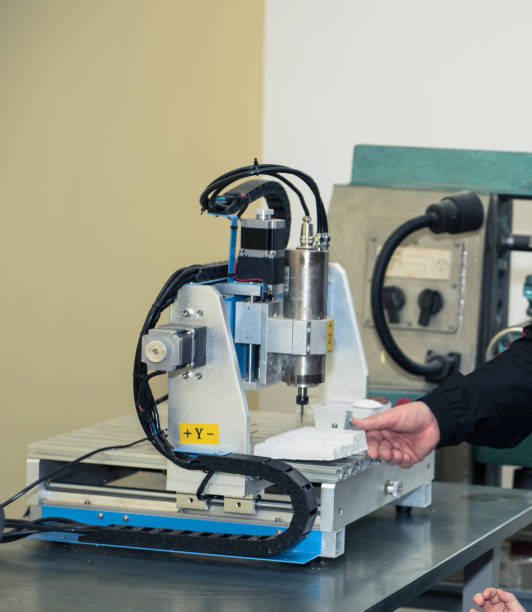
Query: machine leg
column 479, row 574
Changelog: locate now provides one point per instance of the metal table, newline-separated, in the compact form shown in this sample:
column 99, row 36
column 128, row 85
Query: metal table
column 390, row 559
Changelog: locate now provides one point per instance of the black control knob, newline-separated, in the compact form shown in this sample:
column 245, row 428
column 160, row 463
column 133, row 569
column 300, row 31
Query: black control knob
column 430, row 302
column 394, row 299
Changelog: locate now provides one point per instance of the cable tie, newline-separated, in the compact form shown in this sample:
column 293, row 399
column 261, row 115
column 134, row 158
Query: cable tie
column 255, row 170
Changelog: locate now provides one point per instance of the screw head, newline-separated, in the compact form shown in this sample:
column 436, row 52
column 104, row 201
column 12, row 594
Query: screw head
column 125, row 518
column 100, row 515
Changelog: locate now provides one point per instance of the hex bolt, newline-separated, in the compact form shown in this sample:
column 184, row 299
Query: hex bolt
column 393, row 488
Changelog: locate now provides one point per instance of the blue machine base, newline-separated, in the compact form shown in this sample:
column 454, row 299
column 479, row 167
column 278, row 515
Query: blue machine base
column 304, row 551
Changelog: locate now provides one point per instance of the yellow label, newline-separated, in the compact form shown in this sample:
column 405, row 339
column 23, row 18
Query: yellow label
column 330, row 335
column 199, row 433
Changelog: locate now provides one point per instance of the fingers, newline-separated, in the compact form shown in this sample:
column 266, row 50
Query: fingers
column 406, row 462
column 383, row 449
column 510, row 601
column 505, row 596
column 385, row 420
column 489, row 594
column 373, row 439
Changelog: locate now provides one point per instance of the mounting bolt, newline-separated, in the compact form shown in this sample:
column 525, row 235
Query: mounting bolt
column 199, row 313
column 100, row 515
column 393, row 488
column 187, row 313
column 197, row 376
column 125, row 518
column 87, row 502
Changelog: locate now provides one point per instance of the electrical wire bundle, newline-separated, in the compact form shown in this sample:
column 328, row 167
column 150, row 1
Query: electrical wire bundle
column 145, row 403
column 212, row 201
column 21, row 528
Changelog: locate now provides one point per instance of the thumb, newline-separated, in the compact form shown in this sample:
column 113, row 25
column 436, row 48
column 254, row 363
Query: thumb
column 385, row 420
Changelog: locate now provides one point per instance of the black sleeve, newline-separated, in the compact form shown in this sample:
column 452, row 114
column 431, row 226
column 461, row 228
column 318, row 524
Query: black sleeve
column 492, row 406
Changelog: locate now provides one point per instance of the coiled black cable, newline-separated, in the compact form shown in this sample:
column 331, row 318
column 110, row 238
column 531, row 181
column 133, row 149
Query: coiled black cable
column 438, row 365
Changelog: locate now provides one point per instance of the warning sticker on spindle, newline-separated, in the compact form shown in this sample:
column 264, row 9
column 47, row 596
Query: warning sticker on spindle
column 199, row 433
column 330, row 335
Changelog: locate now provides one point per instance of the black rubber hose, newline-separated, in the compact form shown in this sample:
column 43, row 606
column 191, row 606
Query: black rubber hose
column 377, row 307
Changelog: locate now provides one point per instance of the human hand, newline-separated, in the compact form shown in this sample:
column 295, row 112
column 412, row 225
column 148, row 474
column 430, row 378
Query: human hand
column 497, row 600
column 403, row 435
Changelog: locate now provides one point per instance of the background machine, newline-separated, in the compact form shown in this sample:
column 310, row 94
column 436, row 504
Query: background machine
column 269, row 314
column 443, row 294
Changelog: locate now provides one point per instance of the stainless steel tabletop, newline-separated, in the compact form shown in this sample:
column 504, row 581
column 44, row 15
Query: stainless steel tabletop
column 390, row 559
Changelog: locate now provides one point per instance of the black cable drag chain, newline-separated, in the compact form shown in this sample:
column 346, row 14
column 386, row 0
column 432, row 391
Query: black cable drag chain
column 292, row 482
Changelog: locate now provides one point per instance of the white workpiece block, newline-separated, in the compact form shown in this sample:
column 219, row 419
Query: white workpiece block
column 312, row 444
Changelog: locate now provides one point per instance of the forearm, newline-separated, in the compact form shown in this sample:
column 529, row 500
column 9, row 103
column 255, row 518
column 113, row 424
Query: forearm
column 491, row 406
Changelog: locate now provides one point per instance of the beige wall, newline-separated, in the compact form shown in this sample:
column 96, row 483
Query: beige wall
column 114, row 114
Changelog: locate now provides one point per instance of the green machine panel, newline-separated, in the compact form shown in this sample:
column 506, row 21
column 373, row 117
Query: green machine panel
column 498, row 172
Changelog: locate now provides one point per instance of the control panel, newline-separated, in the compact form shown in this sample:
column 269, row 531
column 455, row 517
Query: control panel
column 423, row 288
column 432, row 288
